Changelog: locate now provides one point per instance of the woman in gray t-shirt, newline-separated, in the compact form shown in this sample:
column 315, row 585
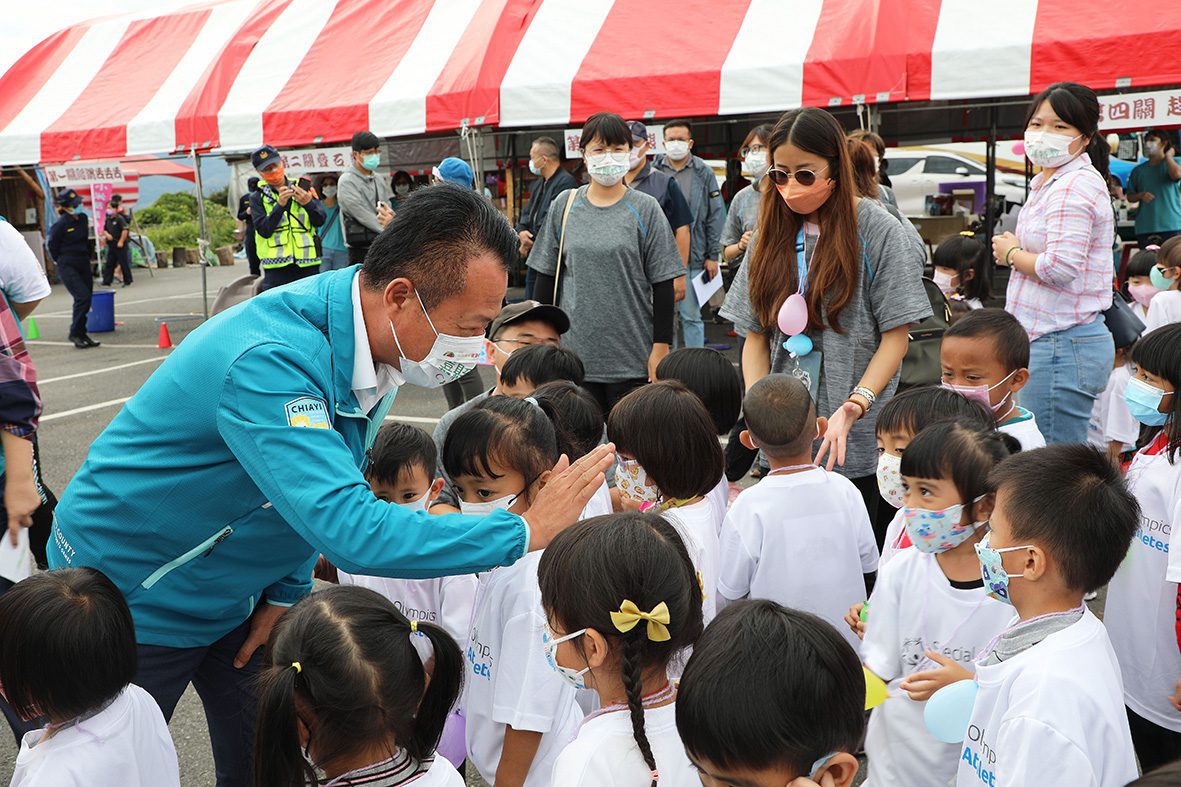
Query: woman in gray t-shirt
column 861, row 281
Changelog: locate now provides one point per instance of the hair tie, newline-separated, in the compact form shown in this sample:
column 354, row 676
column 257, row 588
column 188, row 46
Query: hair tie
column 1152, row 247
column 629, row 615
column 295, row 665
column 414, row 627
column 655, row 775
column 533, row 402
column 968, row 234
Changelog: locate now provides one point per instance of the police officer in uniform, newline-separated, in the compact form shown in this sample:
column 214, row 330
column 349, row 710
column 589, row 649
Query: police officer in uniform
column 69, row 246
column 285, row 216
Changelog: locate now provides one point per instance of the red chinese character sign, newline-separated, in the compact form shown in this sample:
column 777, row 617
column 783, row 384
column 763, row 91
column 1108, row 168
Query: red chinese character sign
column 1131, row 111
column 303, row 161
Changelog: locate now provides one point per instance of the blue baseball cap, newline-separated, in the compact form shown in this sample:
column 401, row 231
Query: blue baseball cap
column 265, row 157
column 455, row 170
column 68, row 198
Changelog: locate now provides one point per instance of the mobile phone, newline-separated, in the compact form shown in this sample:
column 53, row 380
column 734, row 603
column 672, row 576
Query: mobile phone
column 383, row 204
column 304, row 183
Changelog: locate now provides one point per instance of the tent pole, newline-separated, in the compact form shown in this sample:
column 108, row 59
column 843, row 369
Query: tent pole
column 990, row 216
column 203, row 243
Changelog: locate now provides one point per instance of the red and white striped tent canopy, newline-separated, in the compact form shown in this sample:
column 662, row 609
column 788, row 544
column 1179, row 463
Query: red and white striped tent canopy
column 233, row 74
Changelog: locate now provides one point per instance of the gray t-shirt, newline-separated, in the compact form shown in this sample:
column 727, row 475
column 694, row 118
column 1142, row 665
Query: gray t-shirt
column 742, row 218
column 613, row 256
column 447, row 495
column 892, row 296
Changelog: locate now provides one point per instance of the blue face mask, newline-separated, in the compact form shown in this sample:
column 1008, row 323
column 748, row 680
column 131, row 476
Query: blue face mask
column 1159, row 279
column 1144, row 400
column 992, row 570
column 536, row 170
column 370, row 161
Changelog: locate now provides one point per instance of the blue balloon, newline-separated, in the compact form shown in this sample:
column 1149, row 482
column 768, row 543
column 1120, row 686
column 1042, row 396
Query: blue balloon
column 950, row 709
column 799, row 344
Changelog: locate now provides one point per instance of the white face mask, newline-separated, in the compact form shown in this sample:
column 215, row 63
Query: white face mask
column 890, row 478
column 1049, row 150
column 571, row 676
column 677, row 149
column 756, row 164
column 488, row 506
column 1152, row 147
column 402, row 189
column 944, row 281
column 416, row 505
column 635, row 158
column 330, row 191
column 449, row 358
column 607, row 169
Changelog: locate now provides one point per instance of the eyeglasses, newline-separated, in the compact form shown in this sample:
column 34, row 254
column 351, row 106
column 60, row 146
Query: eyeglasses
column 752, row 149
column 805, row 177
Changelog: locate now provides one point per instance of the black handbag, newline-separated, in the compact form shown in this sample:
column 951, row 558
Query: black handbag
column 1123, row 323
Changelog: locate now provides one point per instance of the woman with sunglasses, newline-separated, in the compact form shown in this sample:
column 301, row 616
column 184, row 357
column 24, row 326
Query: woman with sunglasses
column 1062, row 263
column 850, row 261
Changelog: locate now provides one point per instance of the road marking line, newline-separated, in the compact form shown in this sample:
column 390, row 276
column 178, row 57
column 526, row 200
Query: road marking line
column 118, row 302
column 100, row 371
column 124, row 315
column 88, row 408
column 412, row 419
column 40, row 343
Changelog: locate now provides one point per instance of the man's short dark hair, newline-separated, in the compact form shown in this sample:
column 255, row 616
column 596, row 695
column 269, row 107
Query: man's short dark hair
column 68, row 646
column 1070, row 500
column 365, row 140
column 1008, row 337
column 399, row 447
column 116, row 199
column 548, row 146
column 780, row 415
column 608, row 128
column 432, row 239
column 770, row 686
column 679, row 123
column 541, row 364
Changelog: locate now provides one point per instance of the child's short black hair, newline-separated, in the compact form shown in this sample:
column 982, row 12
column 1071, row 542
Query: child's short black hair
column 1159, row 353
column 1142, row 263
column 962, row 454
column 963, row 253
column 711, row 376
column 541, row 364
column 1070, row 500
column 915, row 409
column 508, row 431
column 1008, row 337
column 666, row 428
column 780, row 415
column 575, row 414
column 68, row 644
column 398, row 447
column 770, row 686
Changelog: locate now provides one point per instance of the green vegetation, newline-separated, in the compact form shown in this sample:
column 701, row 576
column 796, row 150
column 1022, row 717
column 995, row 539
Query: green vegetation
column 171, row 221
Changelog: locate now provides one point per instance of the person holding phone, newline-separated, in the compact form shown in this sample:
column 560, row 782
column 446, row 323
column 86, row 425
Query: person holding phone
column 286, row 215
column 1156, row 185
column 364, row 197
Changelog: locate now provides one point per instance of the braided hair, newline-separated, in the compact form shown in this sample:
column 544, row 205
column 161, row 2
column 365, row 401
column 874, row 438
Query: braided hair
column 591, row 569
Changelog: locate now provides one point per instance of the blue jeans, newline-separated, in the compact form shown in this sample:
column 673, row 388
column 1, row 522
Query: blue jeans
column 1068, row 370
column 227, row 693
column 690, row 310
column 334, row 259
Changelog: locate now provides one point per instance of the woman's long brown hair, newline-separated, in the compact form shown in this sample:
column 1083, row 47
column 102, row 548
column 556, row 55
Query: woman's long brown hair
column 834, row 271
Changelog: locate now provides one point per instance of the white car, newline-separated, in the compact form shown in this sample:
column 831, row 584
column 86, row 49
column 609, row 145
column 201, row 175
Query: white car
column 918, row 173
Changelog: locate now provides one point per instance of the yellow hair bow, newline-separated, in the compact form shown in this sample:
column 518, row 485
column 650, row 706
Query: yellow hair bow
column 968, row 234
column 629, row 615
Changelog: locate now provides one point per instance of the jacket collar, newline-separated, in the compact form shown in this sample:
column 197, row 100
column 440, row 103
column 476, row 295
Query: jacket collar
column 338, row 286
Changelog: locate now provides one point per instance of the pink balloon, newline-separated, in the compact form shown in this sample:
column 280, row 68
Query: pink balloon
column 1019, row 148
column 793, row 315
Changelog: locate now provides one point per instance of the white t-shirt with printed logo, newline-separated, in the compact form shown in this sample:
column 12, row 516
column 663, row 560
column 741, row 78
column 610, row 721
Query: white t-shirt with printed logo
column 914, row 608
column 803, row 540
column 1025, row 430
column 697, row 525
column 444, row 601
column 1140, row 614
column 1110, row 417
column 508, row 681
column 1051, row 715
column 127, row 743
column 605, row 753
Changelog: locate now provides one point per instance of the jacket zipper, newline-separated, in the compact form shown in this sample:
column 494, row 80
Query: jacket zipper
column 201, row 550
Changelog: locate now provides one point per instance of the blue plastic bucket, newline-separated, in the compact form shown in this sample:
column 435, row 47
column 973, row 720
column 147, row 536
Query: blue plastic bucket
column 101, row 318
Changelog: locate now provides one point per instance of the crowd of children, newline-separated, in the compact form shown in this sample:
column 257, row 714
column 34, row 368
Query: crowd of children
column 675, row 636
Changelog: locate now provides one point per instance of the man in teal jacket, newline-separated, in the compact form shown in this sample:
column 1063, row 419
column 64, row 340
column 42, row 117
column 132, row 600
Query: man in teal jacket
column 210, row 495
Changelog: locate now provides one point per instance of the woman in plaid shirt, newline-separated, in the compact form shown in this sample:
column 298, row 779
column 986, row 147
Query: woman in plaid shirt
column 1062, row 262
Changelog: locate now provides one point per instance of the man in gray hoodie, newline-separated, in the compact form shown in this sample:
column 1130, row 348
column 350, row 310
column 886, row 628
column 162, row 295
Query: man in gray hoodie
column 363, row 196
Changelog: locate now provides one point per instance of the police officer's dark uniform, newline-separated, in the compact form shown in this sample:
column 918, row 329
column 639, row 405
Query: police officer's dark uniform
column 69, row 246
column 118, row 250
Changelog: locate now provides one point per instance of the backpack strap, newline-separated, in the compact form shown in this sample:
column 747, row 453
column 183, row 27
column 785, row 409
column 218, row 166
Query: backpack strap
column 562, row 241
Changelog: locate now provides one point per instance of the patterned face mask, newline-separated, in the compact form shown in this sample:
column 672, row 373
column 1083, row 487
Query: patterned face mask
column 633, row 483
column 936, row 531
column 890, row 478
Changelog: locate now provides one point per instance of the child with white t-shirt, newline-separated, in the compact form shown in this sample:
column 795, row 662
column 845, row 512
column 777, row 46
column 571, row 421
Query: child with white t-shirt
column 1049, row 705
column 1165, row 308
column 342, row 692
column 929, row 609
column 1112, row 428
column 985, row 356
column 771, row 696
column 621, row 599
column 1139, row 278
column 801, row 536
column 578, row 426
column 1141, row 601
column 518, row 713
column 669, row 460
column 712, row 376
column 69, row 654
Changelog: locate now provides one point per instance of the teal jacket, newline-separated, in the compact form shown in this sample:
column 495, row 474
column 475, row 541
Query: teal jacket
column 213, row 489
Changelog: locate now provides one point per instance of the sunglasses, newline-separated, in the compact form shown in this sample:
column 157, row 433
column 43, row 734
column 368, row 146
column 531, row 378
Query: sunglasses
column 805, row 177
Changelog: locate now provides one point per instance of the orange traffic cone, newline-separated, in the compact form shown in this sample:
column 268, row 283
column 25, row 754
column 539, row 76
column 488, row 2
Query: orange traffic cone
column 165, row 342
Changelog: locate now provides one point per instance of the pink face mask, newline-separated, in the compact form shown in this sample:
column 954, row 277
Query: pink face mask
column 1142, row 293
column 982, row 393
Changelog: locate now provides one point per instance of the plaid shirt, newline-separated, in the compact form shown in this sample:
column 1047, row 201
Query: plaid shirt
column 1069, row 224
column 20, row 403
